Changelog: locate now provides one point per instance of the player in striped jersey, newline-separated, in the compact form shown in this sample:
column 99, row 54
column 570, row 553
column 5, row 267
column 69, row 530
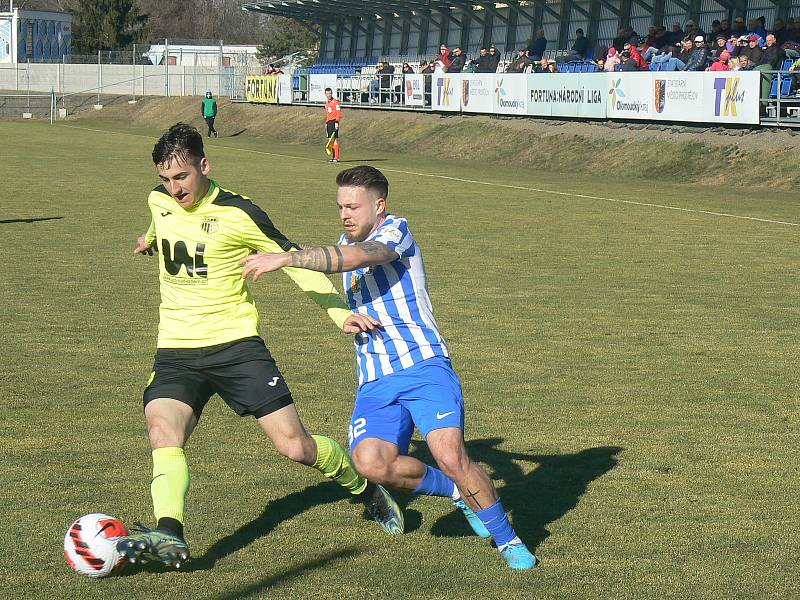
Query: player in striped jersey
column 404, row 371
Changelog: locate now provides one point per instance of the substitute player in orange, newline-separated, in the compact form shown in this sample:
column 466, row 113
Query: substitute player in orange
column 333, row 114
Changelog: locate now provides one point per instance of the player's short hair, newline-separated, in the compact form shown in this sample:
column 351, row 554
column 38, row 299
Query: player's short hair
column 364, row 176
column 329, row 90
column 182, row 142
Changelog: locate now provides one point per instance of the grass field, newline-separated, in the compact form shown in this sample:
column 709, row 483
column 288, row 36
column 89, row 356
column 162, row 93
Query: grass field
column 630, row 374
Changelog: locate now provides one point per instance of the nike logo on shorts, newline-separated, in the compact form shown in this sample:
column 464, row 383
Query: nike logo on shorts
column 274, row 382
column 443, row 415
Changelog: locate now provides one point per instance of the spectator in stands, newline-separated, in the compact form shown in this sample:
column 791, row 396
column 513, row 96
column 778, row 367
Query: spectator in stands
column 725, row 28
column 676, row 36
column 581, row 46
column 698, row 57
column 407, row 69
column 661, row 40
column 793, row 29
column 721, row 64
column 444, row 56
column 628, row 63
column 743, row 64
column 756, row 27
column 482, row 62
column 651, row 35
column 685, row 48
column 601, row 64
column 667, row 61
column 612, row 60
column 738, row 27
column 541, row 66
column 384, row 81
column 749, row 47
column 636, row 57
column 519, row 64
column 537, row 47
column 494, row 59
column 773, row 55
column 427, row 72
column 458, row 61
column 552, row 67
column 716, row 28
column 780, row 32
column 719, row 47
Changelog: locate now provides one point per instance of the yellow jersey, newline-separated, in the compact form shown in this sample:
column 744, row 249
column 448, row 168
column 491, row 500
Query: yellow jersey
column 204, row 298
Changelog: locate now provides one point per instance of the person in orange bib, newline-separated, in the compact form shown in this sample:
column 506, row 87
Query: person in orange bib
column 333, row 114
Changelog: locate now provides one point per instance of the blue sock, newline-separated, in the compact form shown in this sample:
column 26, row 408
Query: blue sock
column 435, row 483
column 496, row 521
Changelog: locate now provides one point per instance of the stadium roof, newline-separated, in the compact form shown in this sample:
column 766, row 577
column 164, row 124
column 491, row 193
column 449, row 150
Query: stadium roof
column 327, row 10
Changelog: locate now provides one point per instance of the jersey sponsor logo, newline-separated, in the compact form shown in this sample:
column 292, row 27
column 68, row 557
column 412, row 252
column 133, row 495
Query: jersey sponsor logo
column 392, row 234
column 210, row 225
column 177, row 256
column 441, row 416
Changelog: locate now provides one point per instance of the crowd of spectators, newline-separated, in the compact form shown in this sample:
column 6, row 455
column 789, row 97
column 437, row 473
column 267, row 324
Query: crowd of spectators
column 727, row 47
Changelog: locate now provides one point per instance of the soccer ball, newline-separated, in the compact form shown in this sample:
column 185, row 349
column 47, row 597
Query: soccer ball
column 90, row 545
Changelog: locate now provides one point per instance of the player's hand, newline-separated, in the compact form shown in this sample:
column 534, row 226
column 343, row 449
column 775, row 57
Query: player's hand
column 264, row 262
column 336, row 125
column 358, row 323
column 142, row 247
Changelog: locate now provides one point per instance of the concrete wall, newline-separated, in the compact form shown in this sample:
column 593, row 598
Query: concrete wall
column 139, row 80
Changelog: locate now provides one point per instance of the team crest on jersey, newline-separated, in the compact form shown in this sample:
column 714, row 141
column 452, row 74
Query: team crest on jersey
column 210, row 225
column 355, row 278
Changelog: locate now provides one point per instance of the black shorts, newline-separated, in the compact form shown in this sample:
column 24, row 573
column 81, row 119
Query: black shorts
column 242, row 372
column 330, row 130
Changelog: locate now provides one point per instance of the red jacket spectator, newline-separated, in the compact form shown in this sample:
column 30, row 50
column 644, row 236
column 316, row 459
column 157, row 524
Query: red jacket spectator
column 444, row 56
column 641, row 63
column 722, row 63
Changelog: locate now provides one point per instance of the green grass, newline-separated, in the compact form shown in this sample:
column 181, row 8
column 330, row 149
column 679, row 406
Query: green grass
column 630, row 375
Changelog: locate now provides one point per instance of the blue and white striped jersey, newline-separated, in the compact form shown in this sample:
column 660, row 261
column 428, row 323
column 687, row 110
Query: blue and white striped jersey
column 396, row 294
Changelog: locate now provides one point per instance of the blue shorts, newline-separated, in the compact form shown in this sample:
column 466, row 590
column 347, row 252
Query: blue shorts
column 427, row 395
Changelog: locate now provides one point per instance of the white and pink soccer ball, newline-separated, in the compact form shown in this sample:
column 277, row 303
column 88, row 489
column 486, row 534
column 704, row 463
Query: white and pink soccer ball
column 90, row 545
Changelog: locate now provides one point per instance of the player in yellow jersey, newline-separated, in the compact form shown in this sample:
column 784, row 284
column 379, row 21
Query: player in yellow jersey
column 208, row 341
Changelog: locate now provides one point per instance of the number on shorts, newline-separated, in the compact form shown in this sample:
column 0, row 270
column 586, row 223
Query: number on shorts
column 357, row 428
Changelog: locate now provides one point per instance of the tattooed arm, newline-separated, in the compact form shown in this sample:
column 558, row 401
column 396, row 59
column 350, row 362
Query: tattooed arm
column 328, row 259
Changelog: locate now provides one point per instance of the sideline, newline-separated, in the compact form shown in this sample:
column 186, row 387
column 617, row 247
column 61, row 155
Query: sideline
column 486, row 183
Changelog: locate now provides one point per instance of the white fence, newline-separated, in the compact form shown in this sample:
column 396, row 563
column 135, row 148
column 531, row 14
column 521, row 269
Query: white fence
column 134, row 80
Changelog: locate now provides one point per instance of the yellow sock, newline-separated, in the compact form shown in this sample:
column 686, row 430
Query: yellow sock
column 170, row 483
column 333, row 462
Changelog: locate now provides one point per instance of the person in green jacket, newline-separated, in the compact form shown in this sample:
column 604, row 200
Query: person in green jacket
column 209, row 110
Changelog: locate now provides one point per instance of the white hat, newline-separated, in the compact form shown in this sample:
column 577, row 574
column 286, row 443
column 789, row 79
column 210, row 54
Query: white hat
column 699, row 38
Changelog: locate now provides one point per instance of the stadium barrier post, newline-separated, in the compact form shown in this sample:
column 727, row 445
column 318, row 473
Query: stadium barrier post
column 183, row 76
column 99, row 78
column 219, row 69
column 194, row 76
column 133, row 79
column 52, row 104
column 166, row 67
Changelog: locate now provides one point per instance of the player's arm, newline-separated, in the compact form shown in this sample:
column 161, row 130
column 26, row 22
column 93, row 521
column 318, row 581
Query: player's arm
column 327, row 259
column 270, row 242
column 146, row 243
